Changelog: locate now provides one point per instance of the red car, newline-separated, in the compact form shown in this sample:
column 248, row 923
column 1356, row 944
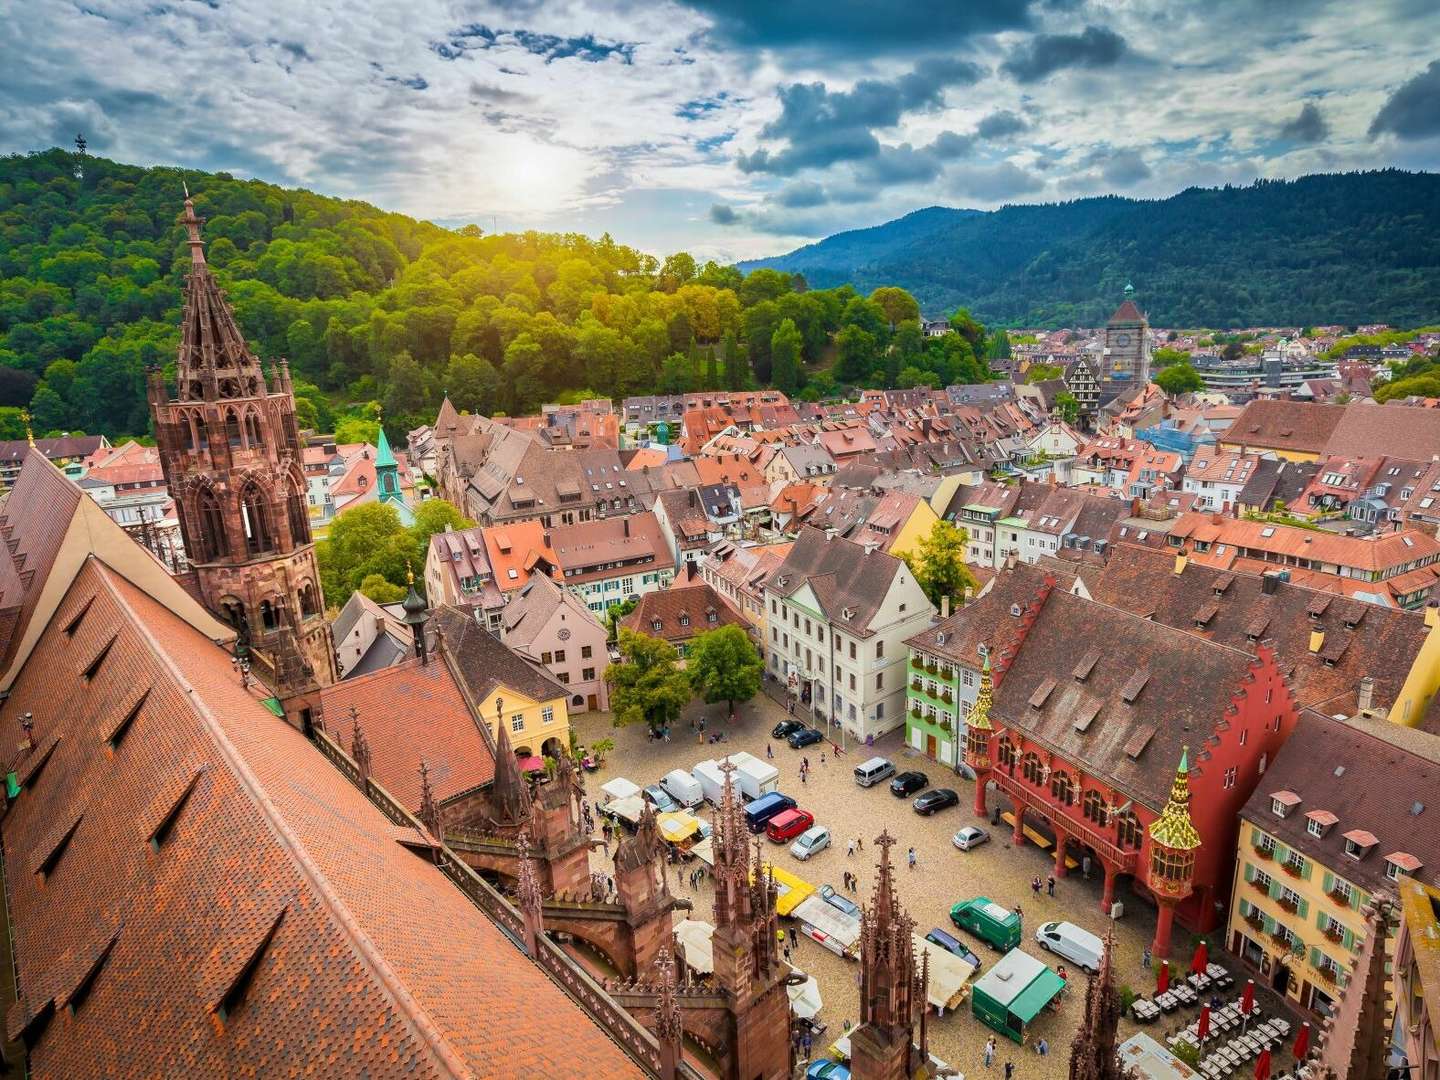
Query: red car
column 788, row 825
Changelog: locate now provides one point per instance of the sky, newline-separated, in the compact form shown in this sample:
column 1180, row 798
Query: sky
column 728, row 128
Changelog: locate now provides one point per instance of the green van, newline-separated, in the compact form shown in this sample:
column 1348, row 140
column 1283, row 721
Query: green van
column 987, row 920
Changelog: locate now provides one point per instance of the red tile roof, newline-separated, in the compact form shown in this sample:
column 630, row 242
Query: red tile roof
column 660, row 614
column 209, row 834
column 410, row 713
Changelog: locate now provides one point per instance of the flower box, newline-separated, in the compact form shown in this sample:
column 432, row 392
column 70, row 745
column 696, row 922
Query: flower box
column 931, row 669
column 1290, row 868
column 1280, row 938
column 1328, row 974
column 1255, row 920
column 917, row 663
column 1340, row 896
column 1263, row 853
column 947, row 697
column 1335, row 933
column 917, row 686
column 1261, row 887
column 1288, row 905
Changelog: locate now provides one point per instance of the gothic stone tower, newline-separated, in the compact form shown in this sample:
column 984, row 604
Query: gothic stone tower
column 231, row 453
column 1127, row 343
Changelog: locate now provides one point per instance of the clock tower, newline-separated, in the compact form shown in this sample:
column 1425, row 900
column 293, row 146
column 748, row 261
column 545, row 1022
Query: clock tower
column 1127, row 343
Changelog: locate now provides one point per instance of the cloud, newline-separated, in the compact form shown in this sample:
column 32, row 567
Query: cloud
column 1001, row 123
column 993, row 183
column 1125, row 167
column 1308, row 127
column 1045, row 54
column 721, row 214
column 901, row 164
column 476, row 37
column 949, row 145
column 858, row 27
column 823, row 127
column 802, row 195
column 1413, row 111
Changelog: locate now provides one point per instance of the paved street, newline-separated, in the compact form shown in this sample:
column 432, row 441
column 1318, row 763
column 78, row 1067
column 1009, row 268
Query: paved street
column 943, row 874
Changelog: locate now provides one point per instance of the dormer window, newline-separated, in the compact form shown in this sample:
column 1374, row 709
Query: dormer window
column 1358, row 843
column 1318, row 822
column 1401, row 862
column 1282, row 802
column 655, row 625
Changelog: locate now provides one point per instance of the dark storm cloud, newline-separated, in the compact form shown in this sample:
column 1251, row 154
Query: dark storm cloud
column 1125, row 167
column 900, row 165
column 1413, row 111
column 859, row 27
column 999, row 124
column 802, row 195
column 1308, row 127
column 823, row 127
column 721, row 214
column 1045, row 54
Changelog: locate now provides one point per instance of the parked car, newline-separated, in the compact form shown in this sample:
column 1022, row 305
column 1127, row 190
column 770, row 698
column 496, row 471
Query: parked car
column 1074, row 943
column 907, row 783
column 789, row 824
column 971, row 836
column 871, row 772
column 953, row 946
column 785, row 728
column 659, row 798
column 987, row 920
column 826, row 1069
column 806, row 737
column 759, row 812
column 839, row 901
column 935, row 799
column 811, row 842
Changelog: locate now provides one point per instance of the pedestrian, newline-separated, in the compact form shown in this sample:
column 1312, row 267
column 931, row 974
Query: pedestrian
column 1035, row 885
column 1018, row 913
column 787, row 952
column 1085, row 867
column 822, row 757
column 794, row 937
column 911, row 857
column 850, row 848
column 806, row 1043
column 1009, row 1070
column 679, row 876
column 769, row 752
column 1050, row 885
column 989, row 1051
column 1042, row 1048
column 1145, row 958
column 805, row 763
column 859, row 843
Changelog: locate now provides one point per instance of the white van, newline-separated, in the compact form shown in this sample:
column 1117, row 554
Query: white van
column 683, row 788
column 869, row 773
column 1073, row 943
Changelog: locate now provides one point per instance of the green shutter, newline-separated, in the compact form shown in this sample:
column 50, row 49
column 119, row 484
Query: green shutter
column 1269, row 924
column 1315, row 957
column 1249, row 873
column 1254, row 837
column 1275, row 888
column 1320, row 918
column 1355, row 898
column 1349, row 939
column 1309, row 865
column 1329, row 881
column 1281, row 853
column 1304, row 911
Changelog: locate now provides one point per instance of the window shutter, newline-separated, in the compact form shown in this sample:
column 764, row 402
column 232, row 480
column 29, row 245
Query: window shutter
column 1244, row 908
column 1274, row 888
column 1249, row 873
column 1269, row 924
column 1329, row 880
column 1349, row 939
column 1254, row 837
column 1355, row 899
column 1304, row 911
column 1315, row 957
column 1320, row 918
column 1309, row 869
column 1281, row 853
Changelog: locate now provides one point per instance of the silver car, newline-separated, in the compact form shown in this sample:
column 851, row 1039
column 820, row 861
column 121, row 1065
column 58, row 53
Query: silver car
column 971, row 836
column 812, row 841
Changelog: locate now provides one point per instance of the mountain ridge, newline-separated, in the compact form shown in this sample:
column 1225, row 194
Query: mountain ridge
column 1332, row 247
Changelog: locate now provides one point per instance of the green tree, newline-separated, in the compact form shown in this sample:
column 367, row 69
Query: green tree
column 646, row 685
column 365, row 540
column 355, row 429
column 380, row 590
column 473, row 384
column 785, row 344
column 1178, row 379
column 1067, row 407
column 1041, row 372
column 938, row 562
column 676, row 271
column 724, row 665
column 677, row 375
column 1165, row 356
column 911, row 377
column 897, row 304
column 997, row 347
column 854, row 355
column 614, row 613
column 736, row 363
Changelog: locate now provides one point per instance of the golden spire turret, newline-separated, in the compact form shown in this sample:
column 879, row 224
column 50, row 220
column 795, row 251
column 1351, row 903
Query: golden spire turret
column 1173, row 828
column 979, row 718
column 29, row 432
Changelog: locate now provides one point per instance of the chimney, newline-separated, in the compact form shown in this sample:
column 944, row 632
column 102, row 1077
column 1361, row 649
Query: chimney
column 1317, row 640
column 546, row 539
column 1367, row 694
column 625, row 524
column 944, row 607
column 871, row 547
column 1269, row 582
column 830, row 533
column 1180, row 562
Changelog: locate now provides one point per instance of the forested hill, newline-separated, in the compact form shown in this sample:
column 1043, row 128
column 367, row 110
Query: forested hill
column 1343, row 248
column 378, row 310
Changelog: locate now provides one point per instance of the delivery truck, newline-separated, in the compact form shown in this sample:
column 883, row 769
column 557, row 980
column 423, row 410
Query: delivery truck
column 753, row 777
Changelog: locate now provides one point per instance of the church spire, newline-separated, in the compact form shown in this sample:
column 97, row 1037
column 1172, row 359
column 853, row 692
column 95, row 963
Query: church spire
column 1093, row 1051
column 892, row 989
column 1173, row 828
column 509, row 795
column 213, row 362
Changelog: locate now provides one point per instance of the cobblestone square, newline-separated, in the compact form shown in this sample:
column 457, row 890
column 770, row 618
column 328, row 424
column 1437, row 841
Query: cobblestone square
column 943, row 875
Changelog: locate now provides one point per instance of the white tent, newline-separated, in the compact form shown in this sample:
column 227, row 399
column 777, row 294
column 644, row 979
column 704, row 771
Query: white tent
column 694, row 936
column 805, row 998
column 619, row 788
column 705, row 851
column 949, row 974
column 629, row 809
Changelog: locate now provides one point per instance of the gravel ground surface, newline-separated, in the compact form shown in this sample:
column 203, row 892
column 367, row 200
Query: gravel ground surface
column 942, row 876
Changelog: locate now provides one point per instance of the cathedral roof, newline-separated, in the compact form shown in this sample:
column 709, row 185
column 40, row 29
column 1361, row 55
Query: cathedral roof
column 214, row 360
column 181, row 854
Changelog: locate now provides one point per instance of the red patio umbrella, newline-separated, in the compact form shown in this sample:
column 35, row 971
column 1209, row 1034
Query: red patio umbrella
column 1302, row 1042
column 1262, row 1065
column 1162, row 977
column 1247, row 999
column 1203, row 1030
column 1200, row 959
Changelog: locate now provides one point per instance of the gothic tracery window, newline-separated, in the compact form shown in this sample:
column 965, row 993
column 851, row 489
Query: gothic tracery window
column 232, row 429
column 1033, row 770
column 1062, row 788
column 298, row 515
column 1093, row 808
column 256, row 516
column 212, row 541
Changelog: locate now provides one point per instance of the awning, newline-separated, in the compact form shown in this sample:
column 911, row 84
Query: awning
column 704, row 851
column 805, row 999
column 693, row 935
column 532, row 764
column 619, row 788
column 677, row 826
column 949, row 974
column 1037, row 995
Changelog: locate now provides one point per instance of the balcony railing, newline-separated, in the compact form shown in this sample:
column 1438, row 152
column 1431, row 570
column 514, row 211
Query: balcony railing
column 1124, row 861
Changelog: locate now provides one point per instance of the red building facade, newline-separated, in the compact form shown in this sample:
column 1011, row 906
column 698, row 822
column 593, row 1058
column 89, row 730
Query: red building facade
column 1082, row 741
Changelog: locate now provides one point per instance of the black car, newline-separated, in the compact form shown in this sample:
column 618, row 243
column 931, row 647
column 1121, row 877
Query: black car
column 936, row 799
column 907, row 783
column 806, row 737
column 785, row 728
